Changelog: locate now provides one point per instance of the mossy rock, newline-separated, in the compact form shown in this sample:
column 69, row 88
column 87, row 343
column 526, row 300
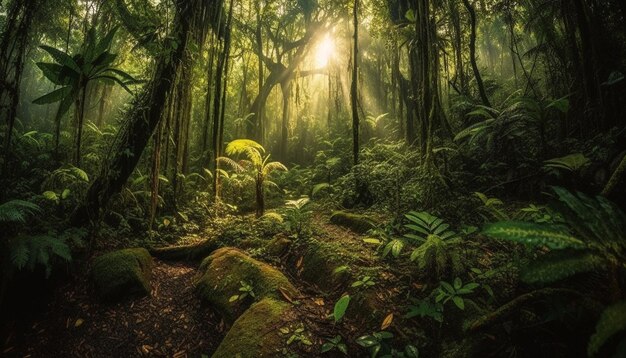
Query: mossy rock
column 187, row 252
column 256, row 333
column 355, row 222
column 221, row 275
column 316, row 262
column 124, row 273
column 278, row 246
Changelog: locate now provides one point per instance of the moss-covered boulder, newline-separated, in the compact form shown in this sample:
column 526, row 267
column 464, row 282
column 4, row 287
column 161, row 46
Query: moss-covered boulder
column 187, row 252
column 278, row 246
column 221, row 276
column 256, row 333
column 323, row 264
column 355, row 222
column 121, row 274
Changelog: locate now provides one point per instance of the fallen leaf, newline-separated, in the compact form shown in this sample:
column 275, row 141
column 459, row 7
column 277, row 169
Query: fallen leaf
column 319, row 301
column 285, row 294
column 146, row 349
column 386, row 322
column 79, row 322
column 299, row 263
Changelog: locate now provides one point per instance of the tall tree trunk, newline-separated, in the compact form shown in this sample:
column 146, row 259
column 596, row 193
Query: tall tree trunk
column 13, row 46
column 354, row 86
column 259, row 108
column 479, row 79
column 142, row 119
column 284, row 128
column 220, row 103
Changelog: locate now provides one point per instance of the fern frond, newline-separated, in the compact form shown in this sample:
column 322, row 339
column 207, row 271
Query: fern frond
column 17, row 211
column 319, row 187
column 573, row 162
column 553, row 237
column 270, row 167
column 239, row 146
column 20, row 254
column 231, row 163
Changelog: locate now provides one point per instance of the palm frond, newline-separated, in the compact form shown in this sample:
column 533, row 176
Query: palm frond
column 272, row 166
column 231, row 163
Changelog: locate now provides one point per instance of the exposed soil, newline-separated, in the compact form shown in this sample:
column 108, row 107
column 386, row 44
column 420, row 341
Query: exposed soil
column 170, row 323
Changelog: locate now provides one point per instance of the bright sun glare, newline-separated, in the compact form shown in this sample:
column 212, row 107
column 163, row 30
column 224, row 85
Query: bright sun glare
column 325, row 51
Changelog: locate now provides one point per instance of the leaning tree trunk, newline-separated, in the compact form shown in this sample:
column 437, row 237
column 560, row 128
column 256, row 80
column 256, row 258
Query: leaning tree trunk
column 141, row 122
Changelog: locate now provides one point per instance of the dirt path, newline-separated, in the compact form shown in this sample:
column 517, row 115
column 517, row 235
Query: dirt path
column 169, row 323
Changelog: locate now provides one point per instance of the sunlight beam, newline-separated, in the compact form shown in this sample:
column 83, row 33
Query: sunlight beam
column 325, row 51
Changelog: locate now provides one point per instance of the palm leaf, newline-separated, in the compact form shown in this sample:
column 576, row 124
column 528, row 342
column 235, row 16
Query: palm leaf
column 270, row 167
column 54, row 96
column 61, row 58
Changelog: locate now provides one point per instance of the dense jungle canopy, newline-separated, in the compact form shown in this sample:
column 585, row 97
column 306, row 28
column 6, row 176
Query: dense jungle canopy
column 303, row 178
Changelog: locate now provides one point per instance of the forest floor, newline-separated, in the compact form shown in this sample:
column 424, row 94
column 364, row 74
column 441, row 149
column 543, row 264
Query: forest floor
column 172, row 321
column 169, row 323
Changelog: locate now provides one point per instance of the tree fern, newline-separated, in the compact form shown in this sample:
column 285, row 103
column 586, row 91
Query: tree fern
column 27, row 252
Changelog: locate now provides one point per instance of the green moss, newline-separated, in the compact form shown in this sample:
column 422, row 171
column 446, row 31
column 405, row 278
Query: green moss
column 122, row 273
column 256, row 332
column 187, row 252
column 319, row 262
column 355, row 222
column 222, row 272
column 278, row 246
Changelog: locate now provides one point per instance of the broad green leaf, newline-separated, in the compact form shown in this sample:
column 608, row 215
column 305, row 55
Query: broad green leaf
column 54, row 96
column 612, row 321
column 61, row 57
column 533, row 234
column 558, row 265
column 458, row 301
column 340, row 307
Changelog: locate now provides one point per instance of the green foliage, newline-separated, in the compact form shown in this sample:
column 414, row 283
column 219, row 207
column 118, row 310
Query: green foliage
column 17, row 211
column 591, row 237
column 491, row 207
column 612, row 322
column 572, row 163
column 551, row 236
column 374, row 342
column 455, row 292
column 297, row 215
column 435, row 255
column 297, row 334
column 425, row 308
column 256, row 161
column 335, row 344
column 244, row 291
column 73, row 73
column 424, row 225
column 363, row 282
column 340, row 307
column 28, row 252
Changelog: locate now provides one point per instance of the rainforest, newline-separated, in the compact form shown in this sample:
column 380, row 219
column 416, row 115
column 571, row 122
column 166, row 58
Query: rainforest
column 312, row 178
